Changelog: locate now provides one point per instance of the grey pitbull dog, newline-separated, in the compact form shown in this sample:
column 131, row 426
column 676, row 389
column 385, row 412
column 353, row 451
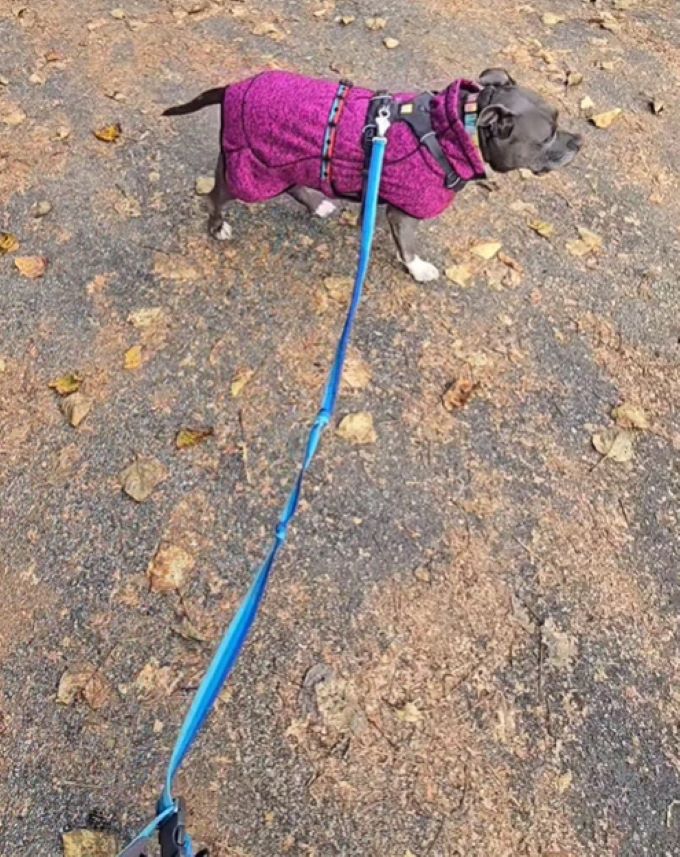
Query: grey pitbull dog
column 516, row 128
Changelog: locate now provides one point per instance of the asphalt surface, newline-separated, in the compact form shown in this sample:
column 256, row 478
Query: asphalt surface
column 470, row 647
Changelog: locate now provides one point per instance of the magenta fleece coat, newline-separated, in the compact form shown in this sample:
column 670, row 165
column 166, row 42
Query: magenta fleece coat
column 273, row 128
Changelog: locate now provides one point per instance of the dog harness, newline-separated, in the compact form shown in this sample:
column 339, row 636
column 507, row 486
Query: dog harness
column 280, row 130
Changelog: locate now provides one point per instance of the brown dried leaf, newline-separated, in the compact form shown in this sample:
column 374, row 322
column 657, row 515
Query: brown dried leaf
column 357, row 428
column 591, row 239
column 410, row 713
column 240, row 380
column 89, row 843
column 132, row 359
column 140, row 478
column 83, row 681
column 346, row 20
column 108, row 133
column 357, row 374
column 339, row 288
column 458, row 393
column 168, row 570
column 606, row 119
column 188, row 437
column 66, row 384
column 629, row 416
column 615, row 444
column 76, row 407
column 32, row 267
column 573, row 78
column 551, row 20
column 8, row 243
column 146, row 317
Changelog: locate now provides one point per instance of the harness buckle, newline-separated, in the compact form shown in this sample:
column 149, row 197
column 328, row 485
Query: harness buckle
column 172, row 834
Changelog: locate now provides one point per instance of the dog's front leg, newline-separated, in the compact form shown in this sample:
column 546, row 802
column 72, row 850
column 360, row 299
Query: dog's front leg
column 217, row 201
column 403, row 229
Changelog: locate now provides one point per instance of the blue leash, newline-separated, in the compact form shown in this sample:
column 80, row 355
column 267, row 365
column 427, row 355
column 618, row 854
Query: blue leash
column 170, row 821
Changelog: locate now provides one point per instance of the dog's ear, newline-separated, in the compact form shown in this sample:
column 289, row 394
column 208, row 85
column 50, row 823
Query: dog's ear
column 496, row 77
column 497, row 120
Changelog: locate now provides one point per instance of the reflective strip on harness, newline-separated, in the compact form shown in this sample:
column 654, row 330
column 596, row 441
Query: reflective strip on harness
column 332, row 130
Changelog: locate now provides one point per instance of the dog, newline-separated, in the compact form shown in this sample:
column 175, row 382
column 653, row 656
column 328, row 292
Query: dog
column 310, row 138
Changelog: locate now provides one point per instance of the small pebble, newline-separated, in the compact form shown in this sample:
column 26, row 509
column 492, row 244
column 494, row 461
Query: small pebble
column 40, row 209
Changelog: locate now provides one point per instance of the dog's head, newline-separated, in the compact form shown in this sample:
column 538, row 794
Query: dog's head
column 518, row 129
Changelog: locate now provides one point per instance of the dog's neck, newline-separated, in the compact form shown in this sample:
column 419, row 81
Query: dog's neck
column 456, row 132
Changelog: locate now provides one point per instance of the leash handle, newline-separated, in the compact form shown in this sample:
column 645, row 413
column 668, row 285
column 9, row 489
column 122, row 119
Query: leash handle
column 235, row 637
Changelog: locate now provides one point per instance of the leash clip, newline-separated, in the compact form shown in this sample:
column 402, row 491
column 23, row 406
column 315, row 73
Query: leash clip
column 382, row 121
column 172, row 834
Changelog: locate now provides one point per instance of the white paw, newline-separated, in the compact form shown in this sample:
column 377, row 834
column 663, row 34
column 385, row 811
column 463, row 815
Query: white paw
column 422, row 271
column 222, row 233
column 325, row 208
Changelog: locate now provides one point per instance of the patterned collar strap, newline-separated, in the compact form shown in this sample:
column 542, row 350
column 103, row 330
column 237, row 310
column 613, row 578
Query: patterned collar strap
column 470, row 116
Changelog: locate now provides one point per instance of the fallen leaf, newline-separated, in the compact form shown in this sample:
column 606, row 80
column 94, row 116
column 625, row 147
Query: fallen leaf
column 391, row 42
column 562, row 647
column 76, row 407
column 118, row 14
column 573, row 78
column 486, row 249
column 339, row 288
column 592, row 239
column 32, row 267
column 140, row 478
column 409, row 713
column 146, row 317
column 240, row 380
column 133, row 358
column 629, row 416
column 376, row 23
column 657, row 106
column 66, row 384
column 188, row 437
column 108, row 133
column 510, row 262
column 8, row 243
column 459, row 274
column 606, row 119
column 564, row 782
column 458, row 393
column 89, row 843
column 356, row 374
column 168, row 570
column 614, row 443
column 586, row 104
column 357, row 428
column 606, row 65
column 551, row 20
column 127, row 206
column 578, row 248
column 540, row 227
column 268, row 28
column 204, row 185
column 13, row 117
column 346, row 20
column 63, row 132
column 155, row 680
column 83, row 681
column 41, row 208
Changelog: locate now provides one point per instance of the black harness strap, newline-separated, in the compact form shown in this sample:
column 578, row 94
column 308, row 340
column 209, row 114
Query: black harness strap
column 417, row 115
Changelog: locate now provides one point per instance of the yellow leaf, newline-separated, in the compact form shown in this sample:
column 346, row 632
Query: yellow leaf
column 240, row 380
column 8, row 243
column 146, row 317
column 89, row 843
column 574, row 78
column 188, row 437
column 133, row 358
column 376, row 23
column 551, row 20
column 630, row 416
column 409, row 713
column 615, row 444
column 108, row 133
column 32, row 267
column 487, row 249
column 459, row 274
column 586, row 104
column 168, row 570
column 545, row 230
column 390, row 42
column 66, row 384
column 606, row 119
column 593, row 240
column 204, row 185
column 357, row 428
column 356, row 374
column 579, row 248
column 76, row 407
column 139, row 479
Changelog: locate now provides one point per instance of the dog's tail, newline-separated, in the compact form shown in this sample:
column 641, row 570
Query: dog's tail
column 205, row 99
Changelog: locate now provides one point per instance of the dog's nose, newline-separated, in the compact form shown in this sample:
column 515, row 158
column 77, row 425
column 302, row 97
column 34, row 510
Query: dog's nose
column 575, row 142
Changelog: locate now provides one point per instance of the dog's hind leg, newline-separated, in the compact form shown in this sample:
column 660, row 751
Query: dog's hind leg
column 313, row 200
column 218, row 199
